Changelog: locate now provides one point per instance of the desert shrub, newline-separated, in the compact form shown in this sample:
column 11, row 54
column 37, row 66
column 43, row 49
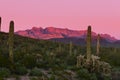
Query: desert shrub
column 107, row 78
column 29, row 61
column 52, row 77
column 35, row 72
column 1, row 78
column 33, row 78
column 21, row 70
column 83, row 74
column 4, row 72
column 93, row 76
column 4, row 61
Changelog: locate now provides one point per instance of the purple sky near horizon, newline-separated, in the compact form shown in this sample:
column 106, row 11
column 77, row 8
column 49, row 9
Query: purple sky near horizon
column 102, row 15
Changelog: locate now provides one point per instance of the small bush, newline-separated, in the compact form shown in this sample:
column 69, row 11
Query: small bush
column 83, row 74
column 21, row 70
column 93, row 76
column 52, row 77
column 35, row 72
column 29, row 61
column 33, row 78
column 4, row 72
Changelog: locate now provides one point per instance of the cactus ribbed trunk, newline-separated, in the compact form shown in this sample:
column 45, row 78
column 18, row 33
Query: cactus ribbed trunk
column 70, row 48
column 98, row 44
column 0, row 23
column 59, row 49
column 11, row 40
column 89, row 42
column 78, row 61
column 115, row 50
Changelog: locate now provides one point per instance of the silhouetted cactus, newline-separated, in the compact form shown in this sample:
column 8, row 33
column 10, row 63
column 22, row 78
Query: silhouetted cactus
column 88, row 42
column 98, row 44
column 0, row 23
column 70, row 48
column 11, row 40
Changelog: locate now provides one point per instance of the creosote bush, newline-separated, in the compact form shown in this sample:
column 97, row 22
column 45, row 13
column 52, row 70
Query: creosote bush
column 4, row 72
column 36, row 72
column 21, row 70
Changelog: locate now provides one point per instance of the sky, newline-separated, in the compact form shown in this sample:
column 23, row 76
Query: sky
column 102, row 15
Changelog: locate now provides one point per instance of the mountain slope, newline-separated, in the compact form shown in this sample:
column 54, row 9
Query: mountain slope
column 51, row 32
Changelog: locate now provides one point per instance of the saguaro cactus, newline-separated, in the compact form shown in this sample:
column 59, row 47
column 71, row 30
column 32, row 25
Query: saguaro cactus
column 98, row 44
column 0, row 23
column 11, row 40
column 88, row 42
column 70, row 48
column 59, row 48
column 115, row 50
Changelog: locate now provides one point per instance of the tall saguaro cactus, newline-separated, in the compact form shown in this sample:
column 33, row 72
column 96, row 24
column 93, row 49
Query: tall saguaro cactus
column 88, row 42
column 98, row 44
column 0, row 23
column 11, row 40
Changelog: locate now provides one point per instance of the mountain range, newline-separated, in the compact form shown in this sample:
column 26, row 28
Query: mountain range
column 66, row 35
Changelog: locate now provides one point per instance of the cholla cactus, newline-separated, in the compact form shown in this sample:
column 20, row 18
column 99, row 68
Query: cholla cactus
column 11, row 40
column 80, row 61
column 0, row 23
column 105, row 68
column 70, row 48
column 94, row 63
column 94, row 58
column 98, row 44
column 89, row 42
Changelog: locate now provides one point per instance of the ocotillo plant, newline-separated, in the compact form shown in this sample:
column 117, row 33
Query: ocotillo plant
column 11, row 40
column 70, row 48
column 98, row 44
column 88, row 42
column 0, row 23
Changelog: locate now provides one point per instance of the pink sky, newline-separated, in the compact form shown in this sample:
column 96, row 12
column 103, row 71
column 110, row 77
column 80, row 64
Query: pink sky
column 103, row 15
